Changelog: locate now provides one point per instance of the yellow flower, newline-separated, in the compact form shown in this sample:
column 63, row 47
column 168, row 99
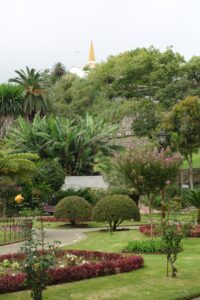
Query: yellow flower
column 19, row 199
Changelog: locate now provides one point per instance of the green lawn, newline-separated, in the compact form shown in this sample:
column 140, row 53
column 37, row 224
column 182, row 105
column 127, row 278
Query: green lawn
column 149, row 283
column 186, row 217
column 196, row 161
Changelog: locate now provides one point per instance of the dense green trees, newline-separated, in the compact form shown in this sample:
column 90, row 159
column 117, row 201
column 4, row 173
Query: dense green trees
column 143, row 73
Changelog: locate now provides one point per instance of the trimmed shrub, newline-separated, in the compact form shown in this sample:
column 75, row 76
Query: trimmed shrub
column 74, row 209
column 115, row 209
column 149, row 246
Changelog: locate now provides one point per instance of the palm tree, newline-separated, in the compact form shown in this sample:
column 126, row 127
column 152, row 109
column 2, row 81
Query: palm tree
column 34, row 90
column 15, row 166
column 193, row 197
column 58, row 71
column 11, row 102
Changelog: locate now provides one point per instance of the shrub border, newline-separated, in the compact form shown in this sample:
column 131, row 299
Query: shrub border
column 112, row 263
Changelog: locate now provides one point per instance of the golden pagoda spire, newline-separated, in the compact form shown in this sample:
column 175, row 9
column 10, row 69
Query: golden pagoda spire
column 91, row 58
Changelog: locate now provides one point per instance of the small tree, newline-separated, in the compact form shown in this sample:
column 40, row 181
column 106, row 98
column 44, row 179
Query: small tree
column 73, row 208
column 39, row 257
column 115, row 209
column 148, row 171
column 172, row 236
column 183, row 122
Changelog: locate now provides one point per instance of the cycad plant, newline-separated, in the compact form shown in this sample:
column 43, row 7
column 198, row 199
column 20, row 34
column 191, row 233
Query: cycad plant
column 35, row 93
column 193, row 197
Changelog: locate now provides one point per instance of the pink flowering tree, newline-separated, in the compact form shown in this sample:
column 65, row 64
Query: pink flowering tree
column 147, row 170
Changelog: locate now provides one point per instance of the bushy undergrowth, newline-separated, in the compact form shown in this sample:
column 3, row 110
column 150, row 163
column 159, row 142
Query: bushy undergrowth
column 155, row 246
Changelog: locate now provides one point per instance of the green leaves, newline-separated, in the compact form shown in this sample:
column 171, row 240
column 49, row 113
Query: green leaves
column 32, row 83
column 75, row 144
column 17, row 165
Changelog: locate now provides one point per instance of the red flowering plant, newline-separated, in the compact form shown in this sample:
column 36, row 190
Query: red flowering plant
column 147, row 170
column 87, row 264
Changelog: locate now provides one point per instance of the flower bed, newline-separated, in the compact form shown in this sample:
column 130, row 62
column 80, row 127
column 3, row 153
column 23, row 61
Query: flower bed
column 193, row 232
column 90, row 264
column 145, row 229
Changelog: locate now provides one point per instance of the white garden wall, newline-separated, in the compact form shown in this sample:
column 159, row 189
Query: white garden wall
column 77, row 182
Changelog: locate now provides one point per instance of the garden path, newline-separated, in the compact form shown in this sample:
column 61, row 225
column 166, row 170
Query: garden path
column 65, row 236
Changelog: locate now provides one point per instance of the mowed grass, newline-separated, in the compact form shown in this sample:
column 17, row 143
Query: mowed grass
column 183, row 217
column 196, row 161
column 148, row 283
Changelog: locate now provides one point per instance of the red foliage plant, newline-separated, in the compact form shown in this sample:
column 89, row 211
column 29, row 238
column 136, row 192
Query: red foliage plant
column 52, row 219
column 193, row 232
column 102, row 264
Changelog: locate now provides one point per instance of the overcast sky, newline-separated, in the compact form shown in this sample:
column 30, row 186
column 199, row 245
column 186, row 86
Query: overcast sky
column 39, row 33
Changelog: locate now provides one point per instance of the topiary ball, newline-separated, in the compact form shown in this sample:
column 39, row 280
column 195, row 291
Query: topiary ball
column 74, row 208
column 115, row 209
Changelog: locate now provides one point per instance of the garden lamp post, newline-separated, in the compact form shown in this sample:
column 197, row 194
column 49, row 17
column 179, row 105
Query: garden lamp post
column 162, row 138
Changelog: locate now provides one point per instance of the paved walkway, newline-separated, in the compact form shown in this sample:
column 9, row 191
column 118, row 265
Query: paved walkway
column 65, row 236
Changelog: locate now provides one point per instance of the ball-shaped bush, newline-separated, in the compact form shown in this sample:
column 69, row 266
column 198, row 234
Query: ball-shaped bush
column 115, row 209
column 74, row 208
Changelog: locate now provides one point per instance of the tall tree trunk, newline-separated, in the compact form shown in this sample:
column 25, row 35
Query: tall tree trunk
column 4, row 207
column 191, row 171
column 198, row 217
column 5, row 124
column 163, row 204
column 150, row 217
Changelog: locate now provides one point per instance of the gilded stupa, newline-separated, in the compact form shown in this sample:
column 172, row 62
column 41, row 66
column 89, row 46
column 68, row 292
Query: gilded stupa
column 91, row 57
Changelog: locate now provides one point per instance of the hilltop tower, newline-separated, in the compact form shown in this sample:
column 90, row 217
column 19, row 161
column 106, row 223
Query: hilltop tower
column 91, row 57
